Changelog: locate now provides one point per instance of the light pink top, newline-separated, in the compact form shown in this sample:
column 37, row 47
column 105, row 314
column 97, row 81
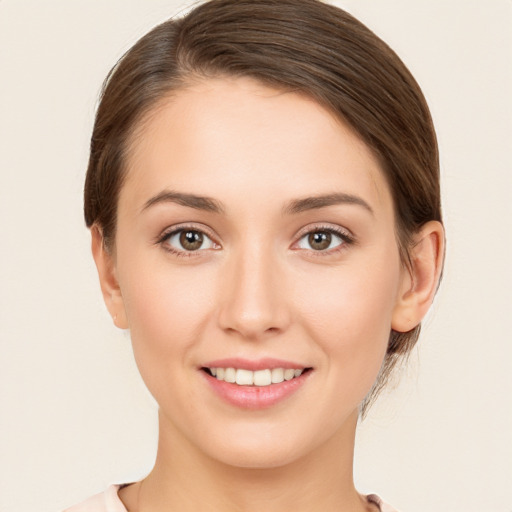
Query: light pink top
column 109, row 501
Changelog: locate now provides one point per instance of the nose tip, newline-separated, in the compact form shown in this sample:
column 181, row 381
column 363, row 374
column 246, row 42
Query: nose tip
column 250, row 325
column 253, row 301
column 251, row 312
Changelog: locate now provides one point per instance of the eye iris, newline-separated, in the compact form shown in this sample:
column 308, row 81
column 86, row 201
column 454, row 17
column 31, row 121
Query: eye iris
column 191, row 240
column 320, row 240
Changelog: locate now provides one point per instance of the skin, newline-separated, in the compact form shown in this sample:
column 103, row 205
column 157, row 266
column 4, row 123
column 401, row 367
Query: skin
column 258, row 289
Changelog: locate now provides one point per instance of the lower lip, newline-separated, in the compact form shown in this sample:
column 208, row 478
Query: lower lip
column 256, row 397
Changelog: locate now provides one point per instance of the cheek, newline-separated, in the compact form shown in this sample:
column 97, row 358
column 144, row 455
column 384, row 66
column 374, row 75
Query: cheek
column 167, row 311
column 349, row 315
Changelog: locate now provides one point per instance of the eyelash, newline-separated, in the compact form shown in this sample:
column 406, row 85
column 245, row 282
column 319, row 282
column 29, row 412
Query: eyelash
column 345, row 237
column 168, row 233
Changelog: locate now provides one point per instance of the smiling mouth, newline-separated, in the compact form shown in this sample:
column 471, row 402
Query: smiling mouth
column 258, row 378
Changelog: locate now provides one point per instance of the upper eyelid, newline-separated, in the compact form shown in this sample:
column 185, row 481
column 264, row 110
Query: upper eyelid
column 171, row 230
column 345, row 235
column 332, row 228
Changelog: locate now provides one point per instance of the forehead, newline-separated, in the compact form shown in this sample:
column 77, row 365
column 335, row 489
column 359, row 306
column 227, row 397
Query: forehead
column 233, row 136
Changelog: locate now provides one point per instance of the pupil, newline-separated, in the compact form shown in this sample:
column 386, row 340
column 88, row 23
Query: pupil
column 320, row 240
column 191, row 240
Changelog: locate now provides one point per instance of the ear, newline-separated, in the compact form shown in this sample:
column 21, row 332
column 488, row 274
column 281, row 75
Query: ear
column 421, row 278
column 105, row 263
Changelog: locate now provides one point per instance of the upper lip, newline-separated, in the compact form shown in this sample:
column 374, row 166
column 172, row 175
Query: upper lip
column 253, row 364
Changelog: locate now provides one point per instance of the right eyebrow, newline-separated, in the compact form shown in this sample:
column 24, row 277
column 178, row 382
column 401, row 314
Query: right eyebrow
column 190, row 200
column 322, row 201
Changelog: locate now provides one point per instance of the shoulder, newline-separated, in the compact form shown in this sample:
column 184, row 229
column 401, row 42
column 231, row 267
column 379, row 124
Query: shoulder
column 107, row 501
column 383, row 507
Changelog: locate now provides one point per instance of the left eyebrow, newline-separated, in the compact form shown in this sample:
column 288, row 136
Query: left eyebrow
column 183, row 199
column 322, row 201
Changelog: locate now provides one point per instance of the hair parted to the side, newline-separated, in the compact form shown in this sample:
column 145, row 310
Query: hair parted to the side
column 305, row 46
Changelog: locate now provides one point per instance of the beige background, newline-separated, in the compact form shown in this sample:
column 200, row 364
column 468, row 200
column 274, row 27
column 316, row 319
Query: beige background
column 74, row 413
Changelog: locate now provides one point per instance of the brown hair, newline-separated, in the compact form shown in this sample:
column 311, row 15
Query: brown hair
column 305, row 46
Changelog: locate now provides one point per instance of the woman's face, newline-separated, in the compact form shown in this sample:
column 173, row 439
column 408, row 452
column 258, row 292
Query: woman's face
column 255, row 232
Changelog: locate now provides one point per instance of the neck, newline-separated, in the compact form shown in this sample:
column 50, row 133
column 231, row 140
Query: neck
column 186, row 479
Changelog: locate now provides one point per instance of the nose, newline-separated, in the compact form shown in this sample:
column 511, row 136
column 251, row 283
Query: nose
column 253, row 302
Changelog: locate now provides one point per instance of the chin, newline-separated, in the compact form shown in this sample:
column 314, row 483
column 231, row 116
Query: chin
column 262, row 458
column 260, row 448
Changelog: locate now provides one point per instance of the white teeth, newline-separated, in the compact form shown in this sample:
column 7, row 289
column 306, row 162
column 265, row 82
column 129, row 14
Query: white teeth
column 263, row 378
column 277, row 375
column 244, row 377
column 289, row 374
column 258, row 378
column 230, row 375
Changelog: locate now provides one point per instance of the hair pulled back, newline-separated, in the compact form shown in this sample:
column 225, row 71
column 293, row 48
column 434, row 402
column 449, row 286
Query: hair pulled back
column 305, row 46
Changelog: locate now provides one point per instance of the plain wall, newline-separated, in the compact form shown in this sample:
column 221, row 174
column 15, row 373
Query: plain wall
column 75, row 415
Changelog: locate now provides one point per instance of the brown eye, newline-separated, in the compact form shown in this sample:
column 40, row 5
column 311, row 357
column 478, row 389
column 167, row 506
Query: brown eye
column 323, row 240
column 320, row 240
column 188, row 240
column 191, row 240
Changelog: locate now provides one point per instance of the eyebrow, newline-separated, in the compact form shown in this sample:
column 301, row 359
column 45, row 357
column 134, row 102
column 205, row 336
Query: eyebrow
column 293, row 207
column 191, row 200
column 322, row 201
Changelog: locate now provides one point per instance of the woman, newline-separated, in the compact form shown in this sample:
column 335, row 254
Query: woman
column 263, row 198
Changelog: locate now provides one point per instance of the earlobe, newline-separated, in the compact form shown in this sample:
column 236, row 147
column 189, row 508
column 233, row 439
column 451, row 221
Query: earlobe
column 420, row 284
column 110, row 289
